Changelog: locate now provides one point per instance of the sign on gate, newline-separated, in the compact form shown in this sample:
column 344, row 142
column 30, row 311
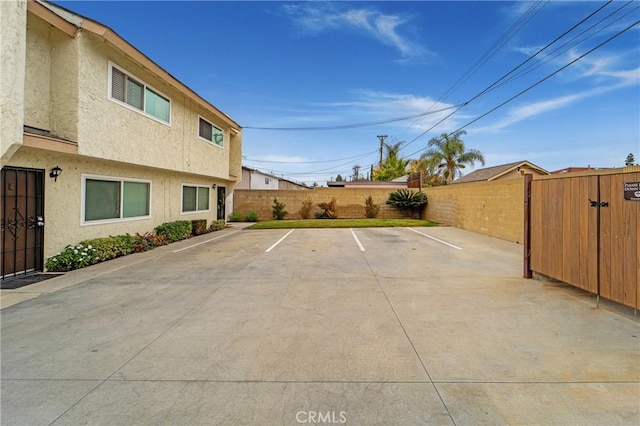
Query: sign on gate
column 632, row 191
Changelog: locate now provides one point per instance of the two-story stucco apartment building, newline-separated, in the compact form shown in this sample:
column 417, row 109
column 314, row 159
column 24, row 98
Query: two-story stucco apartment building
column 97, row 140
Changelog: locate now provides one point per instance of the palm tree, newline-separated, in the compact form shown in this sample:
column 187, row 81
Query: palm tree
column 428, row 168
column 449, row 152
column 393, row 166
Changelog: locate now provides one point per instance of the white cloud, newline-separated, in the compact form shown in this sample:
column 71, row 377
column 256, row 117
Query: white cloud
column 319, row 17
column 377, row 105
column 540, row 107
column 527, row 111
column 363, row 109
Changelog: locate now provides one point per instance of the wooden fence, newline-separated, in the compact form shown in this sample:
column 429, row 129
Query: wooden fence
column 584, row 231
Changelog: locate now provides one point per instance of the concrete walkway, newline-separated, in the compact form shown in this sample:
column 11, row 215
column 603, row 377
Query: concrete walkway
column 365, row 326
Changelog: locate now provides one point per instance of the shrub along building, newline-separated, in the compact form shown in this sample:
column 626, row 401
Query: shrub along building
column 97, row 139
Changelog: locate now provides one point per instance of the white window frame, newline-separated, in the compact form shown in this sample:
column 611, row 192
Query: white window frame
column 144, row 93
column 84, row 222
column 212, row 125
column 193, row 185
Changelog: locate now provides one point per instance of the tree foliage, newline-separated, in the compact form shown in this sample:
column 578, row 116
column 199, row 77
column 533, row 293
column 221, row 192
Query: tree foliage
column 451, row 155
column 428, row 167
column 630, row 161
column 392, row 166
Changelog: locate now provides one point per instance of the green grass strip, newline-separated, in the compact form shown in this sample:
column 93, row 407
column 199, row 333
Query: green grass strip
column 339, row 223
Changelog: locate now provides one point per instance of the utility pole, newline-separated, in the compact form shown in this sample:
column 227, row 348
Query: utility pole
column 382, row 138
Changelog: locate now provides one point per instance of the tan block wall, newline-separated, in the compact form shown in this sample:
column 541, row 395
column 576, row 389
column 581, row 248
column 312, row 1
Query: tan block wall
column 490, row 208
column 350, row 201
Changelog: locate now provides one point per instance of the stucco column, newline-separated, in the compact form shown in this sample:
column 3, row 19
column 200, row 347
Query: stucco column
column 13, row 35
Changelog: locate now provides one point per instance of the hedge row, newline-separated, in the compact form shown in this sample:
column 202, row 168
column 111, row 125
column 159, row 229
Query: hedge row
column 90, row 252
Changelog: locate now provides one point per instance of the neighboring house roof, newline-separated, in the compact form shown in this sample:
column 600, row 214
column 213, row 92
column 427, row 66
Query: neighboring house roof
column 404, row 179
column 71, row 22
column 366, row 183
column 495, row 172
column 274, row 176
column 572, row 169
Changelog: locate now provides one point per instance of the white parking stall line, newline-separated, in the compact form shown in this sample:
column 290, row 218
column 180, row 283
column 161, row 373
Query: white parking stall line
column 204, row 242
column 357, row 240
column 279, row 241
column 436, row 239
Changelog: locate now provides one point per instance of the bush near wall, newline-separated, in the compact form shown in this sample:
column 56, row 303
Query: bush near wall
column 351, row 201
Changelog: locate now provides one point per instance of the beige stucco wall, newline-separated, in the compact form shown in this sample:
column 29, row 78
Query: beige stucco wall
column 64, row 86
column 37, row 91
column 51, row 77
column 13, row 17
column 109, row 130
column 235, row 157
column 246, row 180
column 492, row 208
column 63, row 198
column 65, row 90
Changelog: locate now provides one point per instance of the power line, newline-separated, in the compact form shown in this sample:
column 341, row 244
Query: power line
column 308, row 162
column 550, row 75
column 544, row 79
column 572, row 42
column 351, row 126
column 330, row 169
column 489, row 88
column 512, row 31
column 490, row 52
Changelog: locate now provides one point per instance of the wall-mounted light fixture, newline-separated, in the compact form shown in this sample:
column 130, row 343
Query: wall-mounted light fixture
column 214, row 186
column 55, row 172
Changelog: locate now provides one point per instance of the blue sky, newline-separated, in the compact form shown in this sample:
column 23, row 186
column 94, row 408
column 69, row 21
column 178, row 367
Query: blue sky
column 333, row 65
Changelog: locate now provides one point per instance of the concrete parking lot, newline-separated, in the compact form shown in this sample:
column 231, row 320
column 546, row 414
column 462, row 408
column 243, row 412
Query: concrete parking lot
column 365, row 326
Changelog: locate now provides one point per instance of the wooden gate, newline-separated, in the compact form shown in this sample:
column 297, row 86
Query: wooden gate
column 584, row 231
column 21, row 221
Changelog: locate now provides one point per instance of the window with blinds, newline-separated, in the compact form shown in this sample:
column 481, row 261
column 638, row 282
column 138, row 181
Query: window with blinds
column 209, row 132
column 195, row 198
column 115, row 199
column 131, row 91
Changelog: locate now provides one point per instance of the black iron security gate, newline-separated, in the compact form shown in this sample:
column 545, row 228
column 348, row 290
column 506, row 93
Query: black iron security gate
column 222, row 199
column 21, row 221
